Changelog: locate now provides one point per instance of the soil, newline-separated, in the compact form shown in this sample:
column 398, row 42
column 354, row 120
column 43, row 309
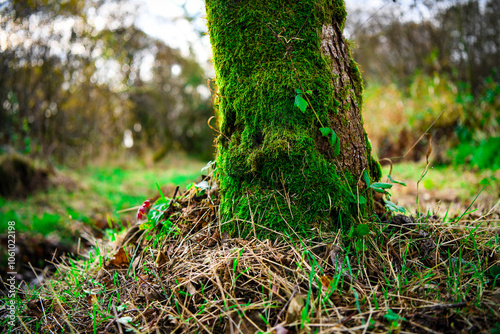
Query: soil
column 34, row 257
column 19, row 177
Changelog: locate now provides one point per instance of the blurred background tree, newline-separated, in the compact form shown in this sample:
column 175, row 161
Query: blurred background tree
column 78, row 80
column 421, row 58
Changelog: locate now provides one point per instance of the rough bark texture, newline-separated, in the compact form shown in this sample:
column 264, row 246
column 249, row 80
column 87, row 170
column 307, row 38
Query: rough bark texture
column 277, row 172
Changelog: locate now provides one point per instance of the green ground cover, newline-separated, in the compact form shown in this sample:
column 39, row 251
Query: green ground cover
column 444, row 188
column 420, row 274
column 95, row 192
column 98, row 192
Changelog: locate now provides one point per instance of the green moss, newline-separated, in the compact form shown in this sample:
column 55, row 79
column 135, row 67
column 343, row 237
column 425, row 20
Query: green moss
column 271, row 171
column 358, row 82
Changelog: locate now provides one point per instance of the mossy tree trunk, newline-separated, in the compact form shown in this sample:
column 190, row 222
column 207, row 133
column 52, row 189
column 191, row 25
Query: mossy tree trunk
column 277, row 171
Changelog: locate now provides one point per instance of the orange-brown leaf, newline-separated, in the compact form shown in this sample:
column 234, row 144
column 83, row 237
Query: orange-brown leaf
column 326, row 281
column 120, row 259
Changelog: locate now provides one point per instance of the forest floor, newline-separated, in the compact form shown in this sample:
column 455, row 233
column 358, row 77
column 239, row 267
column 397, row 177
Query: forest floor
column 84, row 203
column 445, row 190
column 433, row 272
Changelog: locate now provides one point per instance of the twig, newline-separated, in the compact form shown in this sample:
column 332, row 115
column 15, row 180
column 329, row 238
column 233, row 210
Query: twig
column 390, row 164
column 443, row 306
column 422, row 136
column 303, row 24
column 286, row 305
column 422, row 326
column 116, row 319
column 293, row 66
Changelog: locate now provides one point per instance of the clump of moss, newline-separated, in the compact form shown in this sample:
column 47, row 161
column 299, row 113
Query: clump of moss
column 272, row 173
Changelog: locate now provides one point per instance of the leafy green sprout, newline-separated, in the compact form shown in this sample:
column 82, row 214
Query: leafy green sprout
column 332, row 138
column 383, row 187
column 393, row 318
column 235, row 266
column 300, row 102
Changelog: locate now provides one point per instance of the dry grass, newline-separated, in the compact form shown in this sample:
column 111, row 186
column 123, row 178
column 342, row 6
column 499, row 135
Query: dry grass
column 183, row 275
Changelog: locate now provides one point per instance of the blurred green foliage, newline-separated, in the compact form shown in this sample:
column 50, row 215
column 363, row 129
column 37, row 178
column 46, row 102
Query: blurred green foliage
column 466, row 133
column 427, row 58
column 483, row 155
column 458, row 39
column 92, row 194
column 71, row 90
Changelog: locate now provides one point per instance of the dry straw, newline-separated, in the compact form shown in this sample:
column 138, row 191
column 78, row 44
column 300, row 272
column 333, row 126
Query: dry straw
column 408, row 275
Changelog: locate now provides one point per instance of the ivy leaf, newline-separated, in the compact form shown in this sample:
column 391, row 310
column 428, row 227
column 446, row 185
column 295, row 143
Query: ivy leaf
column 394, row 208
column 394, row 181
column 361, row 200
column 366, row 178
column 337, row 148
column 333, row 139
column 325, row 131
column 298, row 91
column 359, row 231
column 352, row 198
column 309, row 92
column 362, row 229
column 380, row 187
column 392, row 317
column 157, row 211
column 300, row 103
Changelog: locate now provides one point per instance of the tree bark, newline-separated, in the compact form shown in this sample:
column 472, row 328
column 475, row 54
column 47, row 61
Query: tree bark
column 277, row 171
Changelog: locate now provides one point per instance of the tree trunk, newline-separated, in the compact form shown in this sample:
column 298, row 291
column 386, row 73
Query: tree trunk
column 277, row 171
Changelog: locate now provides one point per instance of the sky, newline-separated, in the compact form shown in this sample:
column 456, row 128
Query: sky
column 180, row 24
column 165, row 20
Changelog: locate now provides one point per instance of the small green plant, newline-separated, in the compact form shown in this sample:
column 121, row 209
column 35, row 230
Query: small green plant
column 393, row 207
column 300, row 102
column 394, row 320
column 332, row 138
column 359, row 231
column 235, row 266
column 380, row 187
